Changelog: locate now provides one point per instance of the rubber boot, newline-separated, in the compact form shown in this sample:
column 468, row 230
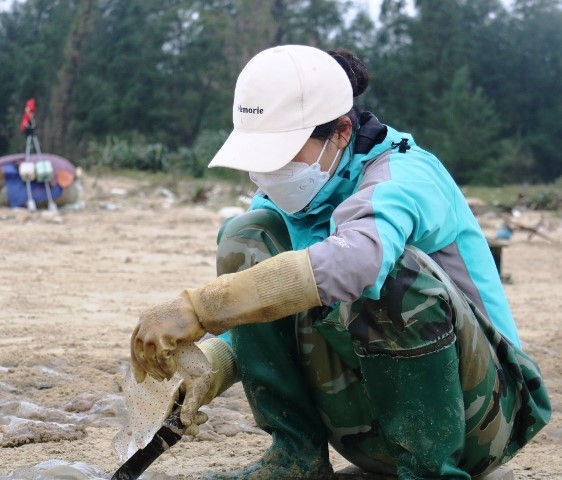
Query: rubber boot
column 268, row 363
column 419, row 401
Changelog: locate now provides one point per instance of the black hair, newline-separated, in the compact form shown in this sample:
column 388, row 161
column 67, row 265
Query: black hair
column 358, row 77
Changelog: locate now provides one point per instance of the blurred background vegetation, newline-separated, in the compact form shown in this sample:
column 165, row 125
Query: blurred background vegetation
column 148, row 84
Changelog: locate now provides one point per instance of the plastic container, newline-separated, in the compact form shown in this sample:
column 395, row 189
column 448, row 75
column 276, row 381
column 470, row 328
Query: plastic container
column 27, row 171
column 43, row 171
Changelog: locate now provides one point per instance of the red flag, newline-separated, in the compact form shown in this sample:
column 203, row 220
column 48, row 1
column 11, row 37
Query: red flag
column 27, row 119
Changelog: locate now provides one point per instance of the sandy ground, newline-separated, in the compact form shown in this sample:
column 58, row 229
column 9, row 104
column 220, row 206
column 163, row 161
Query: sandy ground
column 74, row 282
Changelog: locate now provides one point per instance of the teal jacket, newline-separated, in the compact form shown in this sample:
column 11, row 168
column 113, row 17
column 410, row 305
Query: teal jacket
column 385, row 194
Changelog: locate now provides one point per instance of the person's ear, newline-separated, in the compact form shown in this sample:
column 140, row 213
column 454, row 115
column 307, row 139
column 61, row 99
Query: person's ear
column 344, row 132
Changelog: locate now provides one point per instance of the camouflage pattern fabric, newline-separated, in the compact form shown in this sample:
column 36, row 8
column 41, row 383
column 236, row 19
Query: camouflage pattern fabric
column 421, row 364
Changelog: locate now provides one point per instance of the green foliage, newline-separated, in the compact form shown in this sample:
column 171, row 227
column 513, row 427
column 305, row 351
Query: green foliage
column 536, row 196
column 546, row 200
column 116, row 153
column 468, row 136
column 526, row 86
column 32, row 39
column 147, row 84
column 203, row 150
column 475, row 84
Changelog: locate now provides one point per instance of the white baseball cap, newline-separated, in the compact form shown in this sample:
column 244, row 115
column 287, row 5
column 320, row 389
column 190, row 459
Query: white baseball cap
column 281, row 95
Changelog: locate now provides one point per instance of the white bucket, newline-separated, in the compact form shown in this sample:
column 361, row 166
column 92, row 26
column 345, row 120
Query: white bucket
column 27, row 171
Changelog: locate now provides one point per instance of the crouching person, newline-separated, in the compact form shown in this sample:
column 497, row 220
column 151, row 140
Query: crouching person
column 357, row 301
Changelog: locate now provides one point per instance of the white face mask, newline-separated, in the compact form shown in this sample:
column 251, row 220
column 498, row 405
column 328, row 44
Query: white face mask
column 293, row 186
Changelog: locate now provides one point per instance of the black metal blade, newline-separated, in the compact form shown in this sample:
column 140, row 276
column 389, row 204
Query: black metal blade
column 168, row 435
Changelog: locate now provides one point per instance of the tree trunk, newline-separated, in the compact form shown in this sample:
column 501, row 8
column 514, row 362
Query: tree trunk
column 56, row 131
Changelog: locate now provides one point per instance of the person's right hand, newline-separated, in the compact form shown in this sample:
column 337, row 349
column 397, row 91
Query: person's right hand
column 157, row 334
column 275, row 288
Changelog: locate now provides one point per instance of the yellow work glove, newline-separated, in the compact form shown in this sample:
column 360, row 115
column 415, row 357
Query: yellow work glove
column 203, row 372
column 223, row 367
column 157, row 335
column 275, row 288
column 223, row 374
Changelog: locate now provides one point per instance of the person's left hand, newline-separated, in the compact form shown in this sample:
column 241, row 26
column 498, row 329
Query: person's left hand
column 198, row 380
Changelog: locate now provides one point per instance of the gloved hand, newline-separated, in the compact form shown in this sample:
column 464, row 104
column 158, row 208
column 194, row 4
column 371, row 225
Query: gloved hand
column 204, row 371
column 157, row 334
column 275, row 288
column 208, row 386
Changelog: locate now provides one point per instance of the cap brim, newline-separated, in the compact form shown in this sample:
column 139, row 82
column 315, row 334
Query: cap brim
column 260, row 152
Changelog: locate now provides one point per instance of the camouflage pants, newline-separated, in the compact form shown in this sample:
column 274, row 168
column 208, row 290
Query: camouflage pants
column 416, row 382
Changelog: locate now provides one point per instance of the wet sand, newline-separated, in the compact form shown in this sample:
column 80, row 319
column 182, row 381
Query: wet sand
column 75, row 281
